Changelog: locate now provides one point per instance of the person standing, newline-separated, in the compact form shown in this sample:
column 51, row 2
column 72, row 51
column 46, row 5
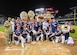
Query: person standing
column 13, row 24
column 54, row 25
column 8, row 30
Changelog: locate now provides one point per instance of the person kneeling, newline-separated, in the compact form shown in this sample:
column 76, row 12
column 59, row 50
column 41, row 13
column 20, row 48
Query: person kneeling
column 39, row 35
column 57, row 35
column 18, row 36
column 26, row 35
column 70, row 41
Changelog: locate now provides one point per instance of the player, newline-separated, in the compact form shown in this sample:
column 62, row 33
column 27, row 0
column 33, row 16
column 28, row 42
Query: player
column 49, row 33
column 32, row 32
column 18, row 36
column 57, row 35
column 54, row 25
column 70, row 41
column 26, row 35
column 65, row 30
column 45, row 25
column 13, row 28
column 39, row 34
column 44, row 34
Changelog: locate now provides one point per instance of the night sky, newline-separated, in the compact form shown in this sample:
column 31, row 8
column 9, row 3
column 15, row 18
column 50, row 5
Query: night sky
column 14, row 7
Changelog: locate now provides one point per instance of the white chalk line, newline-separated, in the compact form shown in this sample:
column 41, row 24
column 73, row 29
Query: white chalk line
column 11, row 49
column 17, row 49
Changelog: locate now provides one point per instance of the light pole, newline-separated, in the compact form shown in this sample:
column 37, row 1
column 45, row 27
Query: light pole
column 74, row 15
column 74, row 10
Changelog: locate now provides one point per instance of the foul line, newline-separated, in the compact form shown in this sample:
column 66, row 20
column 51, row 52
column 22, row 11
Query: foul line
column 11, row 49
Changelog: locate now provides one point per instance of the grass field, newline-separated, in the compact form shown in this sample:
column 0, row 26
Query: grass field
column 74, row 35
column 2, row 28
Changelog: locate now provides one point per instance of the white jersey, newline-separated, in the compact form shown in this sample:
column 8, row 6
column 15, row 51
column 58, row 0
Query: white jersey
column 34, row 31
column 65, row 30
column 12, row 23
column 70, row 40
column 45, row 25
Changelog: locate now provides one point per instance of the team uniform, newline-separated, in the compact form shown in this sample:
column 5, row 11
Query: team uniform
column 36, row 26
column 54, row 26
column 21, row 24
column 49, row 32
column 16, row 24
column 26, row 35
column 44, row 34
column 51, row 36
column 39, row 34
column 13, row 28
column 40, row 25
column 45, row 25
column 70, row 41
column 57, row 36
column 33, row 33
column 18, row 37
column 65, row 31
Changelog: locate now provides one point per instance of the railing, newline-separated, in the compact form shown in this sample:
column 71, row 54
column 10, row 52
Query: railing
column 64, row 19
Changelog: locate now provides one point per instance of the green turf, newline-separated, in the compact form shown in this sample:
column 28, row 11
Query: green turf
column 2, row 28
column 74, row 35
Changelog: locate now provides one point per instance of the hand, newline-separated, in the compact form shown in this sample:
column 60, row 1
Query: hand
column 19, row 37
column 23, row 33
